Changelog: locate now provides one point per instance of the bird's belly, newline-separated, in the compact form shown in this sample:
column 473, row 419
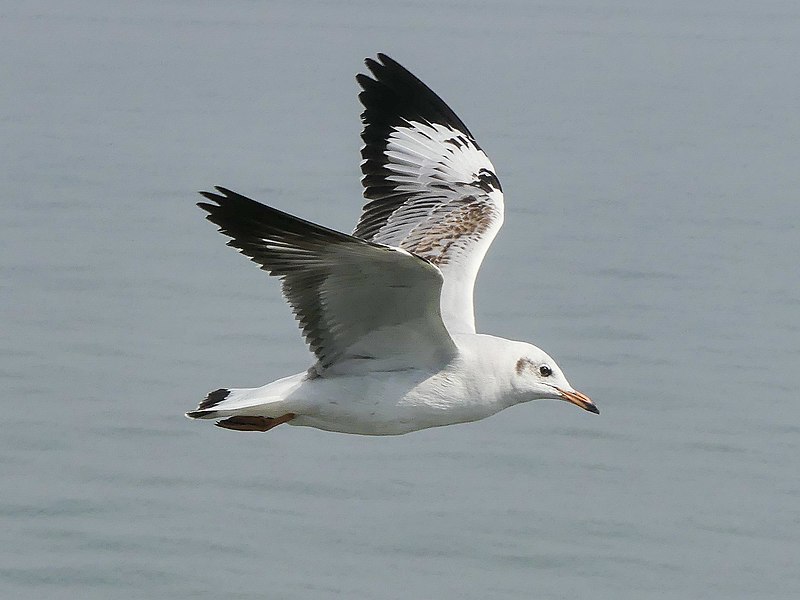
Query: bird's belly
column 406, row 403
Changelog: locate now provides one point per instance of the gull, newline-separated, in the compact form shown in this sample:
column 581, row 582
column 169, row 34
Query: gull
column 387, row 311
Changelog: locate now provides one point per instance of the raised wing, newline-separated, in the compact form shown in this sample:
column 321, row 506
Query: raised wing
column 355, row 300
column 431, row 189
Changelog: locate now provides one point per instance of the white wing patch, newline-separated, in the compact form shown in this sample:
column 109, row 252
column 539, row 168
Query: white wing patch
column 454, row 198
column 432, row 150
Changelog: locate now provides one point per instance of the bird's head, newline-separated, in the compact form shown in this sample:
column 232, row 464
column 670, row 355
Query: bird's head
column 538, row 377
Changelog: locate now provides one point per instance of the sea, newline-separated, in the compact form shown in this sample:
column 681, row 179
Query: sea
column 650, row 158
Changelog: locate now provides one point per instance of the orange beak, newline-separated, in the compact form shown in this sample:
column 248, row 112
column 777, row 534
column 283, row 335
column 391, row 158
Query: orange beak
column 579, row 399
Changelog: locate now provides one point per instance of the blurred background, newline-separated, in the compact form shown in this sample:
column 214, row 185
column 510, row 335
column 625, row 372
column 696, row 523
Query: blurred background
column 649, row 156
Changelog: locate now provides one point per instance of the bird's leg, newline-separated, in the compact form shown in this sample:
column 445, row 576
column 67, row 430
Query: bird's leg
column 248, row 423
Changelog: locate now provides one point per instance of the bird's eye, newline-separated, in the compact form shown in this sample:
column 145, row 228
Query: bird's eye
column 545, row 371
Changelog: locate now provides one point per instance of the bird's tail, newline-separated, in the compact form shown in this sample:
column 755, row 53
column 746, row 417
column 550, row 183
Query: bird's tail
column 266, row 401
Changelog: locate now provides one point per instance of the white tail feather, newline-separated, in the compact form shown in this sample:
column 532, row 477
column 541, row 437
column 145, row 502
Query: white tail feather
column 265, row 401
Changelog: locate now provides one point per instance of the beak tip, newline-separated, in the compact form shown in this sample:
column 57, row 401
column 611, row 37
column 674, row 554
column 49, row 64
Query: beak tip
column 580, row 400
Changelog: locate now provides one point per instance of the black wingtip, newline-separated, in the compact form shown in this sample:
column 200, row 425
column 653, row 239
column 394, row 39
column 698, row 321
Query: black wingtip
column 393, row 95
column 210, row 196
column 383, row 64
column 220, row 193
column 364, row 80
column 375, row 62
column 223, row 197
column 383, row 60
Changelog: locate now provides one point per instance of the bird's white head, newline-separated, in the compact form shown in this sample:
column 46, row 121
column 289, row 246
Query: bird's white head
column 537, row 377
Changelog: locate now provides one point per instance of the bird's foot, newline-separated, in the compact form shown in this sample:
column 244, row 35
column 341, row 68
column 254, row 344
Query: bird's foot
column 248, row 423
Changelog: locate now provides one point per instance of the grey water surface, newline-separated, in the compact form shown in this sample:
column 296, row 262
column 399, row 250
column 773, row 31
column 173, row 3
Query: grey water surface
column 650, row 155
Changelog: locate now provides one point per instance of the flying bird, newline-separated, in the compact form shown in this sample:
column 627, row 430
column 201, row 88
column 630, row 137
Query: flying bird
column 387, row 310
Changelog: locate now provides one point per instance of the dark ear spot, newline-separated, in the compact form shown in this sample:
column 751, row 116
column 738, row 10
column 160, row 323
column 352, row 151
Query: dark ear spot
column 522, row 364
